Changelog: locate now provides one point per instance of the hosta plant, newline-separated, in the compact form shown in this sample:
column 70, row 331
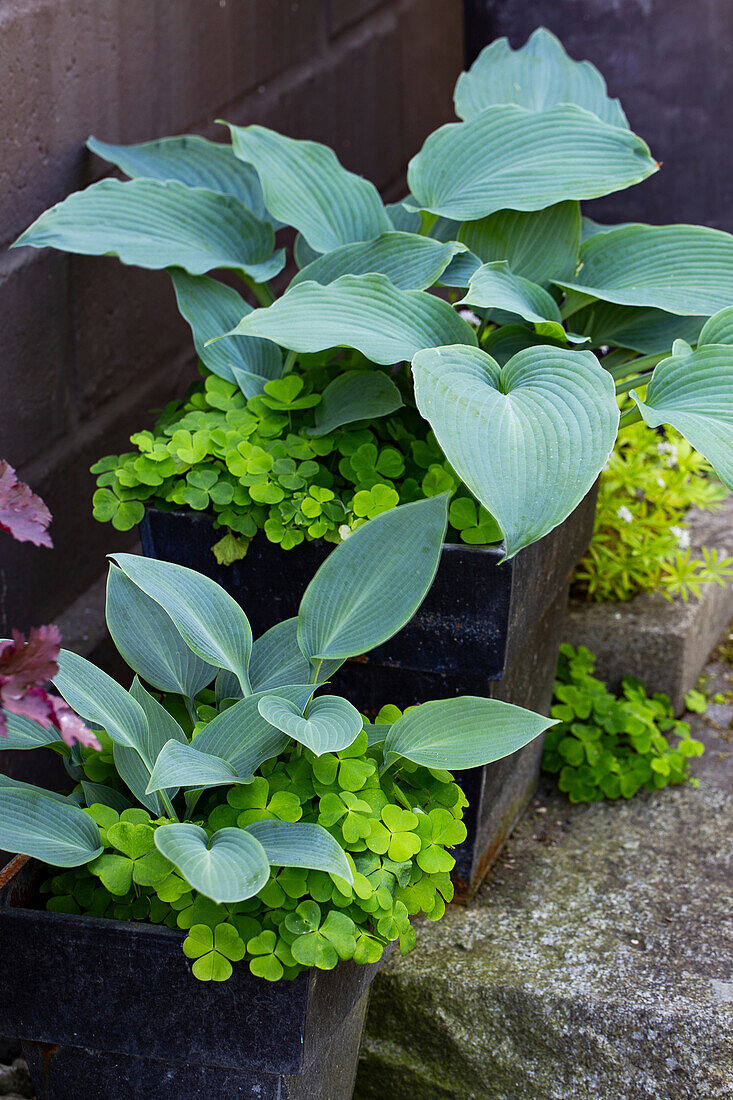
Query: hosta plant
column 514, row 392
column 236, row 797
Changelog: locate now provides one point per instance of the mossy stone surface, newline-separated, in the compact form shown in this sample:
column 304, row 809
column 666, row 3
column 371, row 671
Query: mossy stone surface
column 597, row 961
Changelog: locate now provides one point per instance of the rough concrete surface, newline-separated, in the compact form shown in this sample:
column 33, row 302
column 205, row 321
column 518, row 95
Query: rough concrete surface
column 596, row 963
column 663, row 642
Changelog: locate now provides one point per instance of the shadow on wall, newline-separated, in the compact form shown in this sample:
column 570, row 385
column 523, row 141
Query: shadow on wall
column 670, row 63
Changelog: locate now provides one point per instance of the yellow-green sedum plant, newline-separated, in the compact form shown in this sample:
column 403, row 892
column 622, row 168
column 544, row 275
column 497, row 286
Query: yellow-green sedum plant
column 522, row 401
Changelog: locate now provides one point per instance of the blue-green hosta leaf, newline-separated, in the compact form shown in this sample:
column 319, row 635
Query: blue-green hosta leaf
column 355, row 395
column 162, row 726
column 539, row 245
column 506, row 340
column 303, row 254
column 24, row 733
column 460, row 269
column 183, row 765
column 277, row 660
column 693, row 392
column 99, row 793
column 211, row 308
column 332, row 723
column 494, row 286
column 191, row 160
column 206, row 617
column 151, row 224
column 231, row 866
column 305, row 186
column 149, row 642
column 528, row 439
column 372, row 584
column 589, row 228
column 404, row 219
column 366, row 312
column 644, row 330
column 135, row 773
column 300, row 844
column 718, row 329
column 241, row 736
column 98, row 698
column 539, row 75
column 512, row 158
column 462, row 733
column 35, row 823
column 686, row 269
column 411, row 262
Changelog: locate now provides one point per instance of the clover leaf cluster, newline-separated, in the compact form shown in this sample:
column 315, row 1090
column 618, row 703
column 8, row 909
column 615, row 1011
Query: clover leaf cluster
column 606, row 746
column 255, row 464
column 641, row 540
column 396, row 833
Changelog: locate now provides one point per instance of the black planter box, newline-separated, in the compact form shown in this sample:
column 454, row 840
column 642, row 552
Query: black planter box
column 109, row 1010
column 485, row 628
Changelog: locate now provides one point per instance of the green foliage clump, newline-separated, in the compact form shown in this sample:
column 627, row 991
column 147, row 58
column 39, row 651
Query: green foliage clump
column 606, row 746
column 254, row 464
column 395, row 829
column 640, row 540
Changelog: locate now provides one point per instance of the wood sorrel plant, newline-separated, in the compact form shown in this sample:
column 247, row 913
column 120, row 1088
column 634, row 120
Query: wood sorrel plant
column 272, row 823
column 522, row 405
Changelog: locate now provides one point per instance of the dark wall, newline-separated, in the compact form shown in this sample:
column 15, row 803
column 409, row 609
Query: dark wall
column 88, row 345
column 670, row 62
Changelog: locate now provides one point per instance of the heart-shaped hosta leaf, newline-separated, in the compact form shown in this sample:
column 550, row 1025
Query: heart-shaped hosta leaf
column 355, row 395
column 528, row 439
column 24, row 733
column 151, row 224
column 693, row 392
column 686, row 269
column 184, row 766
column 462, row 733
column 332, row 723
column 395, row 557
column 512, row 158
column 98, row 698
column 241, row 736
column 644, row 330
column 36, row 823
column 409, row 261
column 300, row 844
column 191, row 160
column 305, row 186
column 718, row 329
column 206, row 617
column 539, row 245
column 149, row 642
column 231, row 866
column 539, row 75
column 494, row 286
column 212, row 308
column 366, row 312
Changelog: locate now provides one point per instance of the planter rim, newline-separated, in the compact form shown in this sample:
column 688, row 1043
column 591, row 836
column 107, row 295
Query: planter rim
column 495, row 549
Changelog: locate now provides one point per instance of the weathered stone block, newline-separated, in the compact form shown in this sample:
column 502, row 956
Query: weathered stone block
column 596, row 961
column 664, row 643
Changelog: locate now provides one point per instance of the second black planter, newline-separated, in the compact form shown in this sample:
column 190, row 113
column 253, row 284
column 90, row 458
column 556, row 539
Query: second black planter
column 485, row 628
column 109, row 1009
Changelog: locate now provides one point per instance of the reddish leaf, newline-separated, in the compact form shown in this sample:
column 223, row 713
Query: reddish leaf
column 25, row 668
column 22, row 513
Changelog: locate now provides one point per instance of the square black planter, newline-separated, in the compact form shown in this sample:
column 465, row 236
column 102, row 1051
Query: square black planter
column 484, row 628
column 109, row 1009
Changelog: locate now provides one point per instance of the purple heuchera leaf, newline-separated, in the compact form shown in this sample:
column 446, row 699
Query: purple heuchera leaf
column 22, row 513
column 25, row 668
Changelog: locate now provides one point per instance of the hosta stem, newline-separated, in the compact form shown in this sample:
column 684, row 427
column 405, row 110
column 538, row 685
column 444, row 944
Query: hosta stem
column 168, row 806
column 629, row 383
column 631, row 416
column 635, row 366
column 261, row 291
